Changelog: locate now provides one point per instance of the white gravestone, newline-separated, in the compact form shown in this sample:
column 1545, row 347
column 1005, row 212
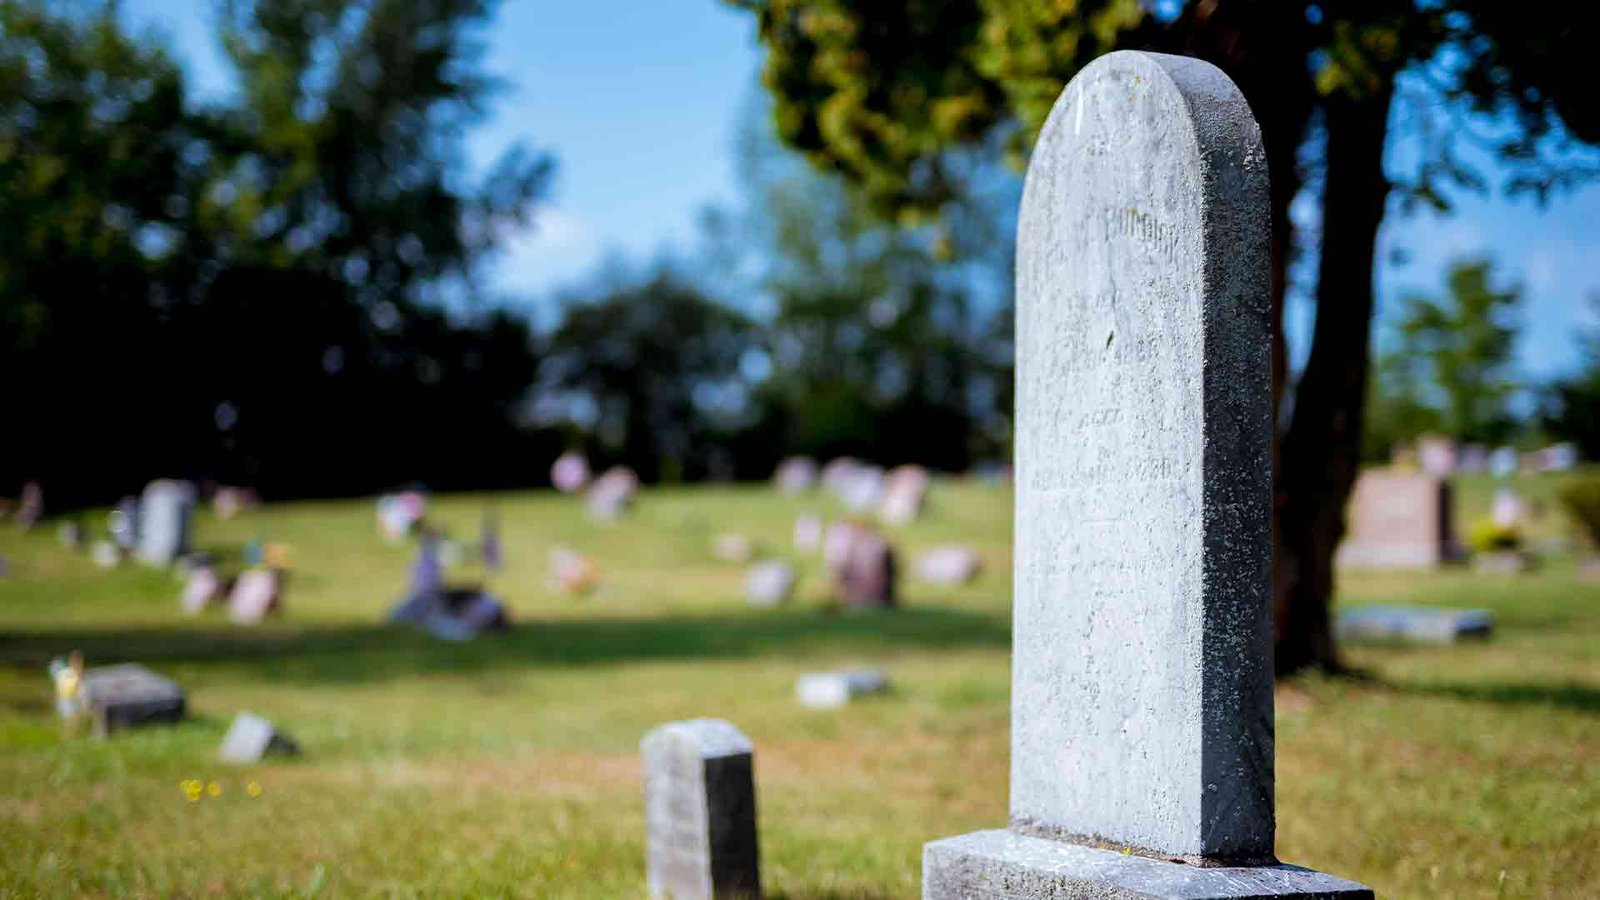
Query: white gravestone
column 164, row 516
column 700, row 811
column 1142, row 664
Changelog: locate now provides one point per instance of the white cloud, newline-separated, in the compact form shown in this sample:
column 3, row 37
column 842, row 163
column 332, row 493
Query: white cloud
column 557, row 248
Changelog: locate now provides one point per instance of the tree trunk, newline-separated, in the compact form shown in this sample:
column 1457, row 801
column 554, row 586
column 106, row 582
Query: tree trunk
column 1321, row 451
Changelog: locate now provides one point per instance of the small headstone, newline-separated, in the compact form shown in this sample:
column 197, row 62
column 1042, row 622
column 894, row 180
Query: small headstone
column 831, row 690
column 30, row 506
column 200, row 590
column 105, row 554
column 863, row 573
column 612, row 493
column 769, row 583
column 863, row 489
column 570, row 472
column 1418, row 624
column 399, row 513
column 700, row 811
column 1503, row 462
column 1436, row 455
column 251, row 737
column 1562, row 457
column 1142, row 681
column 489, row 552
column 905, row 490
column 1473, row 458
column 128, row 696
column 948, row 565
column 256, row 593
column 1397, row 520
column 124, row 524
column 572, row 572
column 1508, row 510
column 70, row 535
column 165, row 510
column 227, row 502
column 796, row 475
column 808, row 533
column 734, row 547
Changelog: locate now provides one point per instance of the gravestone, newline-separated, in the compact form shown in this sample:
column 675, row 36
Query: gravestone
column 256, row 593
column 570, row 472
column 1397, row 520
column 905, row 490
column 30, row 506
column 1436, row 455
column 734, row 547
column 105, row 554
column 200, row 590
column 700, row 811
column 164, row 513
column 1142, row 717
column 953, row 564
column 612, row 493
column 862, row 565
column 128, row 696
column 769, row 583
column 1413, row 624
column 251, row 737
column 796, row 475
column 123, row 523
column 70, row 535
column 808, row 533
column 831, row 690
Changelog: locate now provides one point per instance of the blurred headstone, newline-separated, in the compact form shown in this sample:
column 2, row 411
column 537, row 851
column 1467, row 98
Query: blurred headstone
column 1508, row 510
column 905, row 489
column 1503, row 462
column 105, row 554
column 228, row 501
column 124, row 523
column 399, row 513
column 1473, row 458
column 570, row 472
column 251, row 737
column 612, row 493
column 1436, row 455
column 1419, row 624
column 734, row 547
column 70, row 535
column 769, row 583
column 30, row 506
column 256, row 593
column 808, row 533
column 831, row 690
column 1562, row 457
column 863, row 572
column 571, row 572
column 165, row 510
column 700, row 812
column 948, row 565
column 796, row 475
column 200, row 590
column 1398, row 520
column 128, row 696
column 489, row 541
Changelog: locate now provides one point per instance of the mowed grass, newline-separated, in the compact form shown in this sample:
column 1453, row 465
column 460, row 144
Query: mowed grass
column 508, row 766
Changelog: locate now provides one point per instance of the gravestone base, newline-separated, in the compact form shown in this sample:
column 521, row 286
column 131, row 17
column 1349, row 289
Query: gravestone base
column 1006, row 865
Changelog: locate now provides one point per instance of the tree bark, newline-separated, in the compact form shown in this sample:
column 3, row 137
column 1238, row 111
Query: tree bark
column 1321, row 450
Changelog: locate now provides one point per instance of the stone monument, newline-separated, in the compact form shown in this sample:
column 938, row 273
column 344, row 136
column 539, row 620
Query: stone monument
column 164, row 516
column 1397, row 520
column 1141, row 718
column 700, row 811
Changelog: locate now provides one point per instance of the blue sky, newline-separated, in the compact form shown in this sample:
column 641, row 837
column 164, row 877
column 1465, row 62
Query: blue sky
column 639, row 99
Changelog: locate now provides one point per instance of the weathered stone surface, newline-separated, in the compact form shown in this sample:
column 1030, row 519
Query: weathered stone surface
column 165, row 510
column 256, row 593
column 770, row 583
column 612, row 493
column 1142, row 690
column 252, row 737
column 129, row 695
column 1397, row 520
column 700, row 811
column 1007, row 864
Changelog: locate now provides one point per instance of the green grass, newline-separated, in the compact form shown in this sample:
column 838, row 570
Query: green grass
column 509, row 765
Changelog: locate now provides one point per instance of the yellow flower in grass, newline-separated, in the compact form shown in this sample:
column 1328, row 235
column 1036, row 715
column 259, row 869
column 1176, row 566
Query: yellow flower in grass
column 214, row 789
column 253, row 789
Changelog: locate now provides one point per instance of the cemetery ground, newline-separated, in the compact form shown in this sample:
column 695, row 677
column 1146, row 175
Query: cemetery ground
column 509, row 764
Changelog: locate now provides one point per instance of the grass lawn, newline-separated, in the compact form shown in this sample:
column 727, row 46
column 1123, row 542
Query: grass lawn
column 509, row 765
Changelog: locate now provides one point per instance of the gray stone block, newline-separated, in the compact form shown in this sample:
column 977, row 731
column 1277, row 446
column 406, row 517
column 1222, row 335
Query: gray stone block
column 129, row 696
column 700, row 811
column 251, row 737
column 1005, row 865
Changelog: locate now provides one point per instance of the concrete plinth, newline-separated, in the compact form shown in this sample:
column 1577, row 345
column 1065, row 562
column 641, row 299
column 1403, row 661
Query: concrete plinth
column 1005, row 865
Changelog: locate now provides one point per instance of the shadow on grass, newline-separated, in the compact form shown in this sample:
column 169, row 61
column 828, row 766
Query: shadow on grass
column 1568, row 695
column 367, row 653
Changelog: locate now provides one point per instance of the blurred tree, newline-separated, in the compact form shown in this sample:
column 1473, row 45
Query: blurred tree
column 256, row 290
column 650, row 367
column 1570, row 409
column 879, row 90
